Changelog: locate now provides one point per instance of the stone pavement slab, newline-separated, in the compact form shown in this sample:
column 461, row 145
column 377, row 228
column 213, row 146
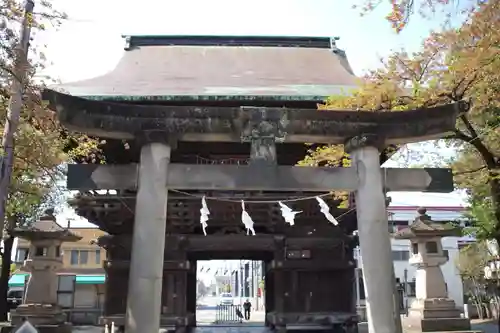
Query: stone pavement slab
column 484, row 326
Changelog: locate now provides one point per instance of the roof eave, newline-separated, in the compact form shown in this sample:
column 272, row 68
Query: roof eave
column 222, row 98
column 416, row 234
column 124, row 120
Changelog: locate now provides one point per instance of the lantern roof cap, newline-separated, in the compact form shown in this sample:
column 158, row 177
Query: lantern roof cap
column 424, row 227
column 46, row 227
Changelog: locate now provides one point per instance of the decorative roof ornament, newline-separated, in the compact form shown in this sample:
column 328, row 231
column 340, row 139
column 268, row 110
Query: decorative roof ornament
column 333, row 43
column 288, row 214
column 246, row 219
column 325, row 209
column 204, row 212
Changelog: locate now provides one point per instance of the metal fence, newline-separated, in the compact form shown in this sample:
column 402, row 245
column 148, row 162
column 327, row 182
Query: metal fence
column 226, row 314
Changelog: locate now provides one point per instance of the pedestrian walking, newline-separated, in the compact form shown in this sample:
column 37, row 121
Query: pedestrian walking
column 247, row 306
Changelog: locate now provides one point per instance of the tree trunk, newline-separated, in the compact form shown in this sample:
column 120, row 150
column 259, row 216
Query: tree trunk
column 5, row 276
column 494, row 183
column 477, row 299
column 497, row 306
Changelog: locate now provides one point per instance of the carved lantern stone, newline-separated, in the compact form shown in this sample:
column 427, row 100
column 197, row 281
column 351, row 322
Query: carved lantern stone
column 44, row 262
column 432, row 308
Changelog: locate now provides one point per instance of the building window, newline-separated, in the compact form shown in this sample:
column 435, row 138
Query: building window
column 400, row 255
column 411, row 289
column 22, row 254
column 414, row 248
column 97, row 256
column 431, row 247
column 79, row 257
column 84, row 257
column 74, row 257
column 58, row 251
column 40, row 251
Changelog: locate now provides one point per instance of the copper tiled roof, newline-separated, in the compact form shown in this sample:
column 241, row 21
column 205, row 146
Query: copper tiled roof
column 199, row 66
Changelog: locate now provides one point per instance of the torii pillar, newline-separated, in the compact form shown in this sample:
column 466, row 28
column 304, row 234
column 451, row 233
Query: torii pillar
column 148, row 242
column 374, row 238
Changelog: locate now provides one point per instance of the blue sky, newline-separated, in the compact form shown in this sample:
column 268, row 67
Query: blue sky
column 90, row 44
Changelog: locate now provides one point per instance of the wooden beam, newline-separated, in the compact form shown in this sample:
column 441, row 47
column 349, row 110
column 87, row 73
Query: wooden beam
column 168, row 265
column 311, row 265
column 257, row 178
column 234, row 243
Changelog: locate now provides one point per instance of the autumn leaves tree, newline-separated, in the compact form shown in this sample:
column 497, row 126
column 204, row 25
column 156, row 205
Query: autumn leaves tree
column 41, row 144
column 401, row 11
column 453, row 65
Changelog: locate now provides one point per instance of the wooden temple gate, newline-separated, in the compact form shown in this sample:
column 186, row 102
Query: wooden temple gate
column 302, row 274
column 158, row 128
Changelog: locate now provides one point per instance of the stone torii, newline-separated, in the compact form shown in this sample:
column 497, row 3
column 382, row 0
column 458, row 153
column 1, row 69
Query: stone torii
column 364, row 135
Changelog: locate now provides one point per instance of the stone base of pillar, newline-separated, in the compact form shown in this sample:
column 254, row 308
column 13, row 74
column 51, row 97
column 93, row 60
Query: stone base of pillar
column 45, row 317
column 434, row 308
column 41, row 329
column 436, row 314
column 39, row 314
column 438, row 324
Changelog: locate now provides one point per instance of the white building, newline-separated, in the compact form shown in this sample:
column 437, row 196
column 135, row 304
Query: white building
column 400, row 217
column 246, row 278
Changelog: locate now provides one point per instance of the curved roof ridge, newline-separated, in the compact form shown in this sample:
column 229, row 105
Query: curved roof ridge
column 231, row 40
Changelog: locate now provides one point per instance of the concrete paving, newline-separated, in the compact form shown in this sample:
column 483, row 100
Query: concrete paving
column 255, row 326
column 476, row 325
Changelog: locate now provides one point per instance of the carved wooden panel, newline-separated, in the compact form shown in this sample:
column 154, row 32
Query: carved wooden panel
column 183, row 215
column 114, row 213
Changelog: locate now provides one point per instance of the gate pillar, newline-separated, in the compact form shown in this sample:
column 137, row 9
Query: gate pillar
column 374, row 236
column 148, row 241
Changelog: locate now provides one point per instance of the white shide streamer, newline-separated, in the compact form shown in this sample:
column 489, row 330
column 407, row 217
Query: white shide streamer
column 288, row 214
column 204, row 212
column 326, row 211
column 247, row 219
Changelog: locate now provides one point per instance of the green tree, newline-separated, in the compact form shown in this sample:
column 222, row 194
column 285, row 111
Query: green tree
column 470, row 263
column 201, row 289
column 41, row 144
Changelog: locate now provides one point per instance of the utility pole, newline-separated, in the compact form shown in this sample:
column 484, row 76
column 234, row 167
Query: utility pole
column 256, row 284
column 242, row 282
column 14, row 108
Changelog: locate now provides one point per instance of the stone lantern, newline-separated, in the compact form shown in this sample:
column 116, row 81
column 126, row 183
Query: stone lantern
column 432, row 308
column 44, row 262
